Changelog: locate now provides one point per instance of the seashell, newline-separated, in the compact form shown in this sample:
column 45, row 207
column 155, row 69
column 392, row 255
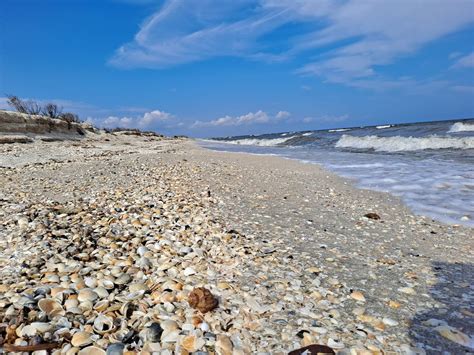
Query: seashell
column 138, row 287
column 103, row 324
column 91, row 350
column 87, row 294
column 202, row 299
column 143, row 262
column 153, row 333
column 81, row 339
column 204, row 327
column 189, row 271
column 101, row 292
column 107, row 284
column 122, row 279
column 192, row 343
column 51, row 307
column 141, row 250
column 358, row 296
column 455, row 336
column 313, row 349
column 223, row 345
column 170, row 336
column 255, row 306
column 35, row 328
column 90, row 282
column 86, row 306
column 169, row 325
column 101, row 306
column 115, row 349
column 133, row 296
column 71, row 303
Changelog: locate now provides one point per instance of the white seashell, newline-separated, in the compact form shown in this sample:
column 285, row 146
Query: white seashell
column 90, row 282
column 142, row 250
column 170, row 336
column 35, row 328
column 103, row 324
column 189, row 271
column 86, row 294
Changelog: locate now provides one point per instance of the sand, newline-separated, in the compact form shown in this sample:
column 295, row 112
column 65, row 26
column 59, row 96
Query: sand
column 399, row 283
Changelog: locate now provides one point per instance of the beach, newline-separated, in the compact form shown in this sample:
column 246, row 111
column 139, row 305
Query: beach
column 113, row 233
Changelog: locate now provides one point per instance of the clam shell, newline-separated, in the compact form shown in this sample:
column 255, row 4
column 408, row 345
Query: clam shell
column 81, row 339
column 51, row 307
column 103, row 324
column 92, row 350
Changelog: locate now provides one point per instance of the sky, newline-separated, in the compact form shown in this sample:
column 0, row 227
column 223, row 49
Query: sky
column 208, row 68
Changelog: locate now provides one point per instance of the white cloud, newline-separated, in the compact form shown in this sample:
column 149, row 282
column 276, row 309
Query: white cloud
column 248, row 119
column 346, row 39
column 282, row 115
column 187, row 31
column 147, row 120
column 380, row 32
column 466, row 61
column 114, row 121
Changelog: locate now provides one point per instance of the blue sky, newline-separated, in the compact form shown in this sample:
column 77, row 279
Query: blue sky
column 228, row 67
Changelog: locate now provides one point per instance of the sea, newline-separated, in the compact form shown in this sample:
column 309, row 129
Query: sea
column 429, row 165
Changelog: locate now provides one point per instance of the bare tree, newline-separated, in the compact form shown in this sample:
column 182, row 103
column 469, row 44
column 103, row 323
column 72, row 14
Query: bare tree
column 51, row 110
column 69, row 117
column 17, row 103
column 30, row 107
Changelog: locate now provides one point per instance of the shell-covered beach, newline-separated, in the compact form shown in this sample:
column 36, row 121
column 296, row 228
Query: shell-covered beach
column 107, row 243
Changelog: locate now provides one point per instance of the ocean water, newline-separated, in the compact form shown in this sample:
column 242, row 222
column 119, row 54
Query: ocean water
column 430, row 165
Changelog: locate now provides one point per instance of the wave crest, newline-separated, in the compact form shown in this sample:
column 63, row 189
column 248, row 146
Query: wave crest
column 461, row 127
column 398, row 144
column 260, row 142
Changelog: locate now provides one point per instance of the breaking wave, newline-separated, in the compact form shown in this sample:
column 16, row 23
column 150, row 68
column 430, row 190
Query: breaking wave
column 461, row 127
column 339, row 130
column 383, row 126
column 260, row 142
column 398, row 144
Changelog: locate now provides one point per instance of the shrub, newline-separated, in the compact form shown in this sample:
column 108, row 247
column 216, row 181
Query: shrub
column 51, row 110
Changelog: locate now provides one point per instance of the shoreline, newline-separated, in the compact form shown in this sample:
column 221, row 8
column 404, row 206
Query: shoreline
column 286, row 246
column 358, row 182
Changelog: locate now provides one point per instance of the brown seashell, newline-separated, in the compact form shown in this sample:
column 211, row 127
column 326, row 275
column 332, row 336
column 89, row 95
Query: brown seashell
column 202, row 299
column 313, row 350
column 372, row 215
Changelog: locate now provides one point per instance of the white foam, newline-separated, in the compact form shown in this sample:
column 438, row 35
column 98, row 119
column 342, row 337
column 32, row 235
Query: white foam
column 307, row 134
column 339, row 130
column 383, row 126
column 397, row 143
column 259, row 142
column 461, row 127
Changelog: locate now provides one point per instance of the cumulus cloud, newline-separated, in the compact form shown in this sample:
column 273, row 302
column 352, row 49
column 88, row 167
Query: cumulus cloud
column 466, row 61
column 147, row 120
column 281, row 115
column 248, row 119
column 346, row 40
